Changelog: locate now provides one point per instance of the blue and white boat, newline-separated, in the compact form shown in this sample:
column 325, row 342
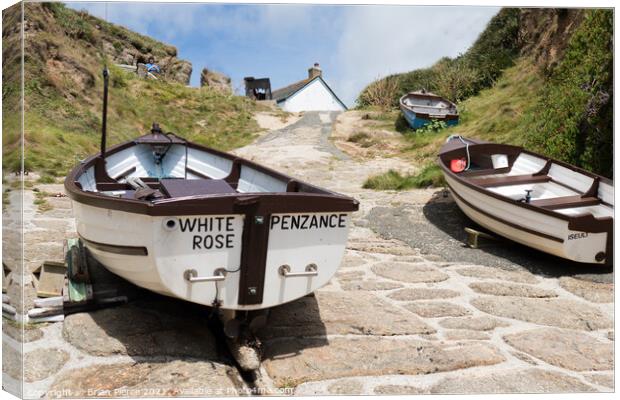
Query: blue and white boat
column 422, row 107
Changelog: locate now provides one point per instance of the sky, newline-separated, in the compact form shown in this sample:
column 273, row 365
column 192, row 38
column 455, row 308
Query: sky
column 353, row 44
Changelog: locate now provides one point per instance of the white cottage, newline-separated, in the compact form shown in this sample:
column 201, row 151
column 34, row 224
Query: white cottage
column 312, row 94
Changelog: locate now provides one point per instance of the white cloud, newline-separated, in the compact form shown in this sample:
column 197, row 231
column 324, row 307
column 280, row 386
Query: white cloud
column 168, row 21
column 355, row 44
column 380, row 40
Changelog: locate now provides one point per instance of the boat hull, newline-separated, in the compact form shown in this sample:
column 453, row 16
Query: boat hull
column 417, row 121
column 528, row 227
column 147, row 251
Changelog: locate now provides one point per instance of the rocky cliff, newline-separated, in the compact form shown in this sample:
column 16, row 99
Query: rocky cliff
column 51, row 28
column 544, row 33
column 64, row 55
column 215, row 80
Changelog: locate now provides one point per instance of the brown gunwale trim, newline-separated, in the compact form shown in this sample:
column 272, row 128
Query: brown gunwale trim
column 503, row 221
column 117, row 249
column 522, row 150
column 311, row 199
column 222, row 204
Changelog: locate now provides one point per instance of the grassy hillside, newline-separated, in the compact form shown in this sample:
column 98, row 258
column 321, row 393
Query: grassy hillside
column 556, row 99
column 65, row 52
column 458, row 78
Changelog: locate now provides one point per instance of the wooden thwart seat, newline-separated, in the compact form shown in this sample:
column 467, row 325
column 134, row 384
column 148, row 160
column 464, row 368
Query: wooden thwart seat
column 556, row 203
column 194, row 187
column 510, row 180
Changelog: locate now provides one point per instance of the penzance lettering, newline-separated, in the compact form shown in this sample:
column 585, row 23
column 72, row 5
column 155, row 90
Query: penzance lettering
column 308, row 221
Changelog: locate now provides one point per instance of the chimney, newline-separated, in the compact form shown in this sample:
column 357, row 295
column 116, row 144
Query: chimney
column 314, row 71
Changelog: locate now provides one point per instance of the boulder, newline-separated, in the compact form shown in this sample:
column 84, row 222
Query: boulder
column 180, row 71
column 215, row 80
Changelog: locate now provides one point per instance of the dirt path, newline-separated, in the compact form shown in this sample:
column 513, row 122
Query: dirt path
column 409, row 316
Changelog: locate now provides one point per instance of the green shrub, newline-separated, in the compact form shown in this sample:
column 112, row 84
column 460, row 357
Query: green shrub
column 358, row 137
column 118, row 46
column 432, row 127
column 496, row 49
column 430, row 175
column 75, row 24
column 46, row 179
column 574, row 120
column 118, row 77
column 401, row 125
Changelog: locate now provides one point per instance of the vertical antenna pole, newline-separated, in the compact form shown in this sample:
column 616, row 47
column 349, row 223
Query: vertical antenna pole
column 105, row 111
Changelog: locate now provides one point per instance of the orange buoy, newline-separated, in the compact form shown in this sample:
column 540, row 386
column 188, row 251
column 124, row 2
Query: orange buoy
column 458, row 164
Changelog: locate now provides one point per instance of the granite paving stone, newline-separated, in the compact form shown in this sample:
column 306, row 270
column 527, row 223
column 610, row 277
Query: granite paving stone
column 482, row 272
column 370, row 285
column 395, row 390
column 148, row 379
column 483, row 323
column 525, row 381
column 305, row 359
column 562, row 313
column 410, row 294
column 341, row 313
column 595, row 292
column 42, row 363
column 107, row 332
column 463, row 334
column 436, row 309
column 345, row 387
column 603, row 379
column 409, row 272
column 510, row 289
column 564, row 348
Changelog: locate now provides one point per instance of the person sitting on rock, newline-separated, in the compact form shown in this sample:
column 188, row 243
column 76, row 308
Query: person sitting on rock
column 152, row 67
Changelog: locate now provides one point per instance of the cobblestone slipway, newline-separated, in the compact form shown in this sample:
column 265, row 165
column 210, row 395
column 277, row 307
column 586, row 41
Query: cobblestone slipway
column 404, row 315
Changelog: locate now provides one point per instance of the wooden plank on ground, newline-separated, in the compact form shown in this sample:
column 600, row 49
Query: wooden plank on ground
column 52, row 279
column 473, row 235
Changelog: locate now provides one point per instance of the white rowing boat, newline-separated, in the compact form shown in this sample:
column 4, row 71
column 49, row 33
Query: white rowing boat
column 531, row 199
column 205, row 226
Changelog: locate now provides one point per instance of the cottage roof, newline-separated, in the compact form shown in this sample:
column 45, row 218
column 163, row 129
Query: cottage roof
column 287, row 91
column 284, row 93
